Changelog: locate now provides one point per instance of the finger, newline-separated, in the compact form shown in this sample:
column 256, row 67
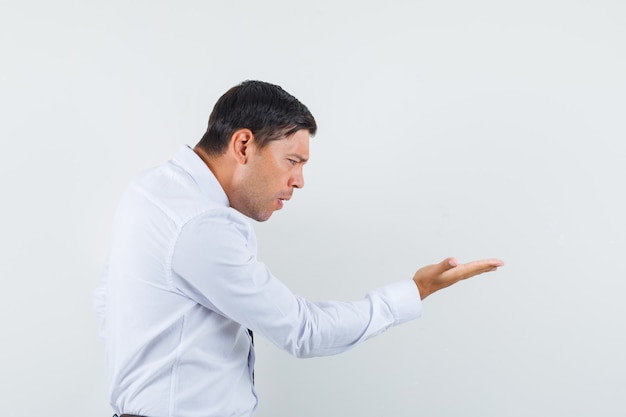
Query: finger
column 440, row 268
column 448, row 263
column 485, row 263
column 495, row 262
column 471, row 269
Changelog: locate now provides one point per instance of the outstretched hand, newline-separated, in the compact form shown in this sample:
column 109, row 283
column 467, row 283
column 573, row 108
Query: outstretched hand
column 432, row 278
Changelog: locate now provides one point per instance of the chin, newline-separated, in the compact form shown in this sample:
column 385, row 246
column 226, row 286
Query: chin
column 263, row 217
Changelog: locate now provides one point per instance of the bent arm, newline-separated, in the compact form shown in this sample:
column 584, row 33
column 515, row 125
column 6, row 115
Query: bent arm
column 215, row 264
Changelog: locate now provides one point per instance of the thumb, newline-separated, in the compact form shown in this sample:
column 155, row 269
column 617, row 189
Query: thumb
column 448, row 264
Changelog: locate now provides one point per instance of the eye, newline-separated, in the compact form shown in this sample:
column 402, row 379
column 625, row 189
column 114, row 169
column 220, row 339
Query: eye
column 292, row 161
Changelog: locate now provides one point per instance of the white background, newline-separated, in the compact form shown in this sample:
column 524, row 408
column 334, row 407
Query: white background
column 446, row 128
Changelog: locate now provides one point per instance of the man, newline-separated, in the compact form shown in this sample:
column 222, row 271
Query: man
column 183, row 290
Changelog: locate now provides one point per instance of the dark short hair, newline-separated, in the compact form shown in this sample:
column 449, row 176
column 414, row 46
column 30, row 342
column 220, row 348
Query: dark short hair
column 266, row 109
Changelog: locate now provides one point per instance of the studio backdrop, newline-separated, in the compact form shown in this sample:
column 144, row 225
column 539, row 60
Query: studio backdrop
column 446, row 128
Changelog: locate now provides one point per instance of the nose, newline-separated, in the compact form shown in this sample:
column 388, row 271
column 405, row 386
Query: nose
column 297, row 179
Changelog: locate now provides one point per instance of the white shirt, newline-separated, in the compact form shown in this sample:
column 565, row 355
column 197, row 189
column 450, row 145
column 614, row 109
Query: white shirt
column 181, row 286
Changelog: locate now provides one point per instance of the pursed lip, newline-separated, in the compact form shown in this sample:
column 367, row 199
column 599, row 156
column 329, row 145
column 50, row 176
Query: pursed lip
column 283, row 199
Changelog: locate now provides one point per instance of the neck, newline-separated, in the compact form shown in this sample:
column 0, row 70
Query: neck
column 219, row 166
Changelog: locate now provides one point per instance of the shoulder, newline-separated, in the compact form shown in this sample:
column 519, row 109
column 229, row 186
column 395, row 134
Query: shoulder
column 219, row 224
column 177, row 194
column 216, row 239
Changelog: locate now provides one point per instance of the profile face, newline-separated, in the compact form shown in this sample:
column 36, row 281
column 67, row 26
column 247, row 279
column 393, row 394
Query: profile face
column 270, row 175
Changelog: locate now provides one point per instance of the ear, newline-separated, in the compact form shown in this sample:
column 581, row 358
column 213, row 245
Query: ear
column 241, row 144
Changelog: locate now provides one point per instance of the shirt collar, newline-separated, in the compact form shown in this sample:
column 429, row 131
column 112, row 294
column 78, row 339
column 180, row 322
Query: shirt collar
column 188, row 160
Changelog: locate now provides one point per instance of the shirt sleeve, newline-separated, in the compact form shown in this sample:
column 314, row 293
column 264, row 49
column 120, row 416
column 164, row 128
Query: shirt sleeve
column 214, row 263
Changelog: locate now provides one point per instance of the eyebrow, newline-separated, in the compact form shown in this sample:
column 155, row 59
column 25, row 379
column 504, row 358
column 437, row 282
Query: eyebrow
column 300, row 158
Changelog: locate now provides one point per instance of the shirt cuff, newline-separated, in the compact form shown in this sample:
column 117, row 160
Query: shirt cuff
column 404, row 300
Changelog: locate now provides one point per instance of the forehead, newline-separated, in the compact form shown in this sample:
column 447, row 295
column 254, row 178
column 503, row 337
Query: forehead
column 296, row 145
